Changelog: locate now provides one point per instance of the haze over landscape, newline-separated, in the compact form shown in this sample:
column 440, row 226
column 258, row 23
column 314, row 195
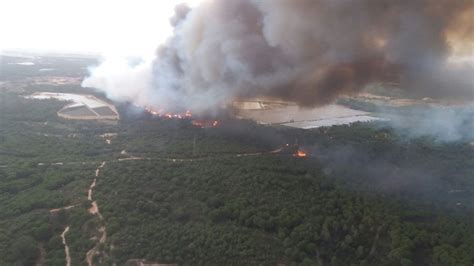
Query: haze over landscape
column 80, row 26
column 236, row 132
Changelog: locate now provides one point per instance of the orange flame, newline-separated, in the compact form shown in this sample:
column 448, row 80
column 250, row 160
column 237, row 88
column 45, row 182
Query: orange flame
column 205, row 123
column 197, row 123
column 185, row 115
column 300, row 153
column 160, row 113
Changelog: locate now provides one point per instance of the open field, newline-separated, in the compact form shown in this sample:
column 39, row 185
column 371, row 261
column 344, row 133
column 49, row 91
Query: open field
column 83, row 107
column 288, row 114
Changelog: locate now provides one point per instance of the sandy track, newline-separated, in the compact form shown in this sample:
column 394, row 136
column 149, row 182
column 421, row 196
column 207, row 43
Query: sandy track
column 169, row 159
column 63, row 208
column 374, row 244
column 92, row 186
column 94, row 210
column 90, row 256
column 66, row 248
column 42, row 255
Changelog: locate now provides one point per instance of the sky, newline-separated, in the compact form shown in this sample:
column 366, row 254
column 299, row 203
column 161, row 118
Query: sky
column 109, row 27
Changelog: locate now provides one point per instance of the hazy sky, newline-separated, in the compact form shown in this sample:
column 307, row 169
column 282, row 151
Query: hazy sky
column 112, row 27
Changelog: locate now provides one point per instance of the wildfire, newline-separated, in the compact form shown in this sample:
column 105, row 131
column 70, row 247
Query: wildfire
column 300, row 153
column 161, row 113
column 186, row 115
column 205, row 123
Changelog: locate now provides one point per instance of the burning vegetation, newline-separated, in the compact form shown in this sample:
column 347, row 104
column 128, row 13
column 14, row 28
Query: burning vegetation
column 300, row 153
column 293, row 149
column 205, row 123
column 164, row 114
column 201, row 123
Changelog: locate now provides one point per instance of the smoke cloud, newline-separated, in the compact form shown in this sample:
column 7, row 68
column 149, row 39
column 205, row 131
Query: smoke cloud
column 441, row 123
column 306, row 51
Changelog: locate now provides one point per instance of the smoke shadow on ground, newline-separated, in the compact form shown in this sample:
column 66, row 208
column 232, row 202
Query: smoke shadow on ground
column 416, row 170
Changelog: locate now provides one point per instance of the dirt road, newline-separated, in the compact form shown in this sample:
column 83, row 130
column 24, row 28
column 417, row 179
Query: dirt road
column 66, row 248
column 94, row 210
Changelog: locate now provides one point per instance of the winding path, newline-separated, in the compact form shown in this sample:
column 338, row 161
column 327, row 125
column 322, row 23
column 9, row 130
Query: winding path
column 374, row 244
column 94, row 210
column 42, row 255
column 63, row 208
column 66, row 248
column 168, row 159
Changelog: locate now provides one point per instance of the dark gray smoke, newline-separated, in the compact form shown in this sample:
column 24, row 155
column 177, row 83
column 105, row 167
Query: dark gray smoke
column 307, row 51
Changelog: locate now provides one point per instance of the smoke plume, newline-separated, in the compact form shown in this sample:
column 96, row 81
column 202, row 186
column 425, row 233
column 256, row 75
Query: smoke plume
column 441, row 123
column 306, row 51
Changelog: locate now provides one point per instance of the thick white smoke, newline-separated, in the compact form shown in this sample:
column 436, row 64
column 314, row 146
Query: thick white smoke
column 123, row 82
column 307, row 51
